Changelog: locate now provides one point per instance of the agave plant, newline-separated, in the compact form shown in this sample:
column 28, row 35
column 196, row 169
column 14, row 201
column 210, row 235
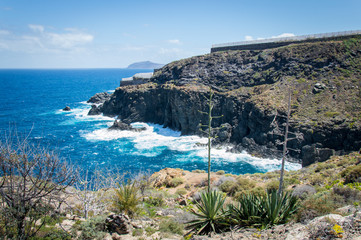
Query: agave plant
column 248, row 212
column 278, row 207
column 263, row 211
column 210, row 215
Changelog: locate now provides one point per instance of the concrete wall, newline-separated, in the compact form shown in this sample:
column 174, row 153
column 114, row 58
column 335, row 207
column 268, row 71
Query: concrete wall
column 279, row 42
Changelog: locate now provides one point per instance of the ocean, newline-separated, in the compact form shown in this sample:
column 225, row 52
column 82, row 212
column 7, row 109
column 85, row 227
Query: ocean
column 32, row 102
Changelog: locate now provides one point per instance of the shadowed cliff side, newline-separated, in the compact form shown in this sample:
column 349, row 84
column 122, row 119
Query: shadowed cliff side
column 250, row 92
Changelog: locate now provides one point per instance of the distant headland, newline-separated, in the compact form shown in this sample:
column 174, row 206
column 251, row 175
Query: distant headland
column 145, row 65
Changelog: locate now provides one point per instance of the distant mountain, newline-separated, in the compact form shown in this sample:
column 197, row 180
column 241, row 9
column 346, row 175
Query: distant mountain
column 145, row 65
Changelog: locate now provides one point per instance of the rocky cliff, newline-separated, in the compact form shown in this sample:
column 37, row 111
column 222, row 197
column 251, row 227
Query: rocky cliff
column 250, row 92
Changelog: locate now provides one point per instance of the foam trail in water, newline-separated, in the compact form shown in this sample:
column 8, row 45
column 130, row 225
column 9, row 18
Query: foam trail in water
column 155, row 139
column 80, row 114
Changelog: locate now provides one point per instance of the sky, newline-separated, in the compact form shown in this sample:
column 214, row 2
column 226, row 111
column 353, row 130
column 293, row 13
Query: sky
column 116, row 33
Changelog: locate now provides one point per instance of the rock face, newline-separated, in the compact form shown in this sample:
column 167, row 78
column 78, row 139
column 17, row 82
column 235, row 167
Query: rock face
column 251, row 96
column 118, row 223
column 119, row 125
column 67, row 108
column 164, row 176
column 95, row 110
column 99, row 98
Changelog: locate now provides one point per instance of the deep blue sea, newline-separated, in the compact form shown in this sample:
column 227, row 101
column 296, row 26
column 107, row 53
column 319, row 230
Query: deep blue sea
column 32, row 101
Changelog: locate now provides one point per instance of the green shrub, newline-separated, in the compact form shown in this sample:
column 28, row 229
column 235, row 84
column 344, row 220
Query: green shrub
column 272, row 185
column 245, row 183
column 348, row 194
column 316, row 205
column 137, row 232
column 181, row 191
column 126, row 198
column 258, row 191
column 51, row 233
column 150, row 231
column 291, row 180
column 352, row 174
column 171, row 226
column 316, row 179
column 93, row 228
column 157, row 201
column 210, row 215
column 331, row 114
column 175, row 182
column 229, row 187
column 220, row 172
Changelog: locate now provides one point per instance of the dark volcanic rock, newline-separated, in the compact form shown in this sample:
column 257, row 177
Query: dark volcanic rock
column 250, row 94
column 118, row 223
column 67, row 108
column 95, row 110
column 119, row 125
column 99, row 98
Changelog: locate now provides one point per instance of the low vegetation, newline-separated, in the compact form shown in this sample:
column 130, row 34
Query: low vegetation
column 179, row 206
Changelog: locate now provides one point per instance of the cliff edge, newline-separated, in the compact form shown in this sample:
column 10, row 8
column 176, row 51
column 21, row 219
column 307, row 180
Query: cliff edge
column 251, row 89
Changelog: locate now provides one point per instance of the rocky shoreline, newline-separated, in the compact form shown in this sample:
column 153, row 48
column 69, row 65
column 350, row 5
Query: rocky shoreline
column 250, row 93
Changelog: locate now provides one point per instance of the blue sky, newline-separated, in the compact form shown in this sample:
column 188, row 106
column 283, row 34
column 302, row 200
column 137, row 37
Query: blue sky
column 116, row 33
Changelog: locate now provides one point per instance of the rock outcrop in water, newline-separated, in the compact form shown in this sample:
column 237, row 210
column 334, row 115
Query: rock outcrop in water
column 99, row 98
column 250, row 92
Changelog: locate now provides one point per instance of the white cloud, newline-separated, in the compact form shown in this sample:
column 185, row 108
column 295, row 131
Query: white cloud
column 169, row 50
column 50, row 40
column 174, row 41
column 42, row 40
column 4, row 32
column 132, row 48
column 128, row 35
column 36, row 28
column 284, row 35
column 69, row 40
column 248, row 38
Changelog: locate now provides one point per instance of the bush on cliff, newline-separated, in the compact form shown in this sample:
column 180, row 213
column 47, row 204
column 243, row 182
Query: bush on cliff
column 352, row 174
column 126, row 198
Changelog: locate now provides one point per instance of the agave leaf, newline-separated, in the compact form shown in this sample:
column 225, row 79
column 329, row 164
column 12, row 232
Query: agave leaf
column 210, row 213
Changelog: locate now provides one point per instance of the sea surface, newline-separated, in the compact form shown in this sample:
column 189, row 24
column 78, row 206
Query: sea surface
column 32, row 102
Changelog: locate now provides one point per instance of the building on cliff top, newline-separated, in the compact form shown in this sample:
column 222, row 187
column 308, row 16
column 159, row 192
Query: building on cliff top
column 138, row 78
column 279, row 42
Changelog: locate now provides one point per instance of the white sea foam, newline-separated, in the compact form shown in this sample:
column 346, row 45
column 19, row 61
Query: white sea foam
column 155, row 139
column 265, row 164
column 80, row 114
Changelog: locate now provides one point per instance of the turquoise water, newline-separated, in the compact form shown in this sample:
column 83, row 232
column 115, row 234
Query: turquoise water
column 32, row 100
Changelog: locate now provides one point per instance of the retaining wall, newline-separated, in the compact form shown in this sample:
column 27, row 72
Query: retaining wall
column 279, row 42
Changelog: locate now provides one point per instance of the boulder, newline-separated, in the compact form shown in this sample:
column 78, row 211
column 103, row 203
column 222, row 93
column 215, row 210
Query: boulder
column 303, row 191
column 99, row 98
column 95, row 110
column 164, row 176
column 225, row 133
column 319, row 87
column 67, row 108
column 118, row 223
column 314, row 153
column 119, row 125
